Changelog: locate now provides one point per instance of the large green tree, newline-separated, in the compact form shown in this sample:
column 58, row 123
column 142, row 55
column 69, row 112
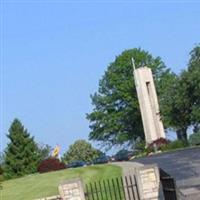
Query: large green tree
column 21, row 155
column 175, row 106
column 116, row 118
column 180, row 102
column 81, row 150
column 193, row 87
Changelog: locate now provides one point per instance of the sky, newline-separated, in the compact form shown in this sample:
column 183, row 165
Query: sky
column 53, row 54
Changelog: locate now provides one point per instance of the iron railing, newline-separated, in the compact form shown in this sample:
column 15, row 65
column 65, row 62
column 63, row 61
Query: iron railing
column 120, row 188
column 126, row 188
column 168, row 185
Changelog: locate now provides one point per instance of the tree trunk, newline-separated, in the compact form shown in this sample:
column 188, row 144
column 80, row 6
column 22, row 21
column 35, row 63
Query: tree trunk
column 182, row 134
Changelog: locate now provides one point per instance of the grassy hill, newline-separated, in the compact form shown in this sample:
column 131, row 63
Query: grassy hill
column 41, row 185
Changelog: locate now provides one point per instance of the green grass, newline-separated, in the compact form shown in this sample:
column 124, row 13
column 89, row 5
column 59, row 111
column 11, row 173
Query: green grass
column 42, row 185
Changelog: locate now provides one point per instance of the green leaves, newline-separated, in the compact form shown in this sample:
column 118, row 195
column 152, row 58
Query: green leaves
column 21, row 155
column 193, row 85
column 81, row 150
column 180, row 97
column 116, row 118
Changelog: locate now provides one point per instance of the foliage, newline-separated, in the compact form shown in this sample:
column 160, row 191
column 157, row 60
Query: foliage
column 180, row 103
column 195, row 138
column 21, row 155
column 1, row 170
column 44, row 151
column 38, row 186
column 175, row 106
column 116, row 117
column 50, row 164
column 161, row 145
column 2, row 158
column 192, row 80
column 157, row 144
column 177, row 144
column 81, row 150
column 2, row 163
column 140, row 145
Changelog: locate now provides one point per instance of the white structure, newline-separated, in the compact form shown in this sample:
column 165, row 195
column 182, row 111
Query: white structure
column 149, row 107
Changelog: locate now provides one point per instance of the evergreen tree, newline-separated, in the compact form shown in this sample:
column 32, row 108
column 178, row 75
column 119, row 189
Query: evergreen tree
column 21, row 155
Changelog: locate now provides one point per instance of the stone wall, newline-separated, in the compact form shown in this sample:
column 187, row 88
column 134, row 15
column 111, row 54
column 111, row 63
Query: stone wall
column 57, row 197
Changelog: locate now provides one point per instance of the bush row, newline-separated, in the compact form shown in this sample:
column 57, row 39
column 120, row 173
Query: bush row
column 50, row 164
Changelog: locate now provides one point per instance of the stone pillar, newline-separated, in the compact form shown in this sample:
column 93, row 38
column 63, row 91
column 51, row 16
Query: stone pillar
column 149, row 107
column 148, row 181
column 71, row 190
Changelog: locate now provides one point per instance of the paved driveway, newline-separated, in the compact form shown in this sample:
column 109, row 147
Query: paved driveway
column 183, row 165
column 128, row 168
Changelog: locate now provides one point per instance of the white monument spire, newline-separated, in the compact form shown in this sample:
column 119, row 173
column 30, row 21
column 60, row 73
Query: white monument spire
column 133, row 63
column 149, row 107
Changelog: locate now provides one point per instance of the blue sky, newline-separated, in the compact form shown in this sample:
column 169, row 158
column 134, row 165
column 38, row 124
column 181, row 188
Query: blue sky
column 53, row 54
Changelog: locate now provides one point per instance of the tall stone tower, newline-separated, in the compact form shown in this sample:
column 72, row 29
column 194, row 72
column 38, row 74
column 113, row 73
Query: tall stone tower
column 149, row 107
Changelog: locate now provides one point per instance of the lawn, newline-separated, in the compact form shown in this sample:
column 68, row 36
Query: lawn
column 42, row 185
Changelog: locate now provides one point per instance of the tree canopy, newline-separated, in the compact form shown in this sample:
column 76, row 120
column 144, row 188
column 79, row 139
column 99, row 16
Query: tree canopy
column 81, row 150
column 193, row 86
column 116, row 118
column 180, row 102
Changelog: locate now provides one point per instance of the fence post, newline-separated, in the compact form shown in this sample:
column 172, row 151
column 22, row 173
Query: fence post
column 71, row 189
column 148, row 181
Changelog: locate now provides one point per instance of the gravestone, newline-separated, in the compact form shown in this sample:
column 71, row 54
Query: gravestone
column 148, row 101
column 71, row 190
column 148, row 180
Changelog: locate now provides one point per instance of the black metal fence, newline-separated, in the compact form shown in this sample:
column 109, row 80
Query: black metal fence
column 168, row 185
column 121, row 188
column 126, row 188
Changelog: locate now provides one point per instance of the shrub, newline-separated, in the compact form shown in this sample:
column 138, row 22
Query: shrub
column 195, row 139
column 140, row 146
column 158, row 144
column 177, row 144
column 50, row 164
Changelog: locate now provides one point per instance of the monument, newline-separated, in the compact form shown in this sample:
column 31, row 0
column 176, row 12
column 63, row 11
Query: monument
column 149, row 107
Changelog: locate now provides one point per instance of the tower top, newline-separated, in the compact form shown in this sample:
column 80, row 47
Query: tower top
column 133, row 63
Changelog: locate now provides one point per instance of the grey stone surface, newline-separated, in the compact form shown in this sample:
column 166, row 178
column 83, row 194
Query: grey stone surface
column 57, row 197
column 128, row 168
column 71, row 190
column 183, row 165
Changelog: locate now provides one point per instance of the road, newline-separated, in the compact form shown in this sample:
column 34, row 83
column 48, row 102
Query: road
column 182, row 164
